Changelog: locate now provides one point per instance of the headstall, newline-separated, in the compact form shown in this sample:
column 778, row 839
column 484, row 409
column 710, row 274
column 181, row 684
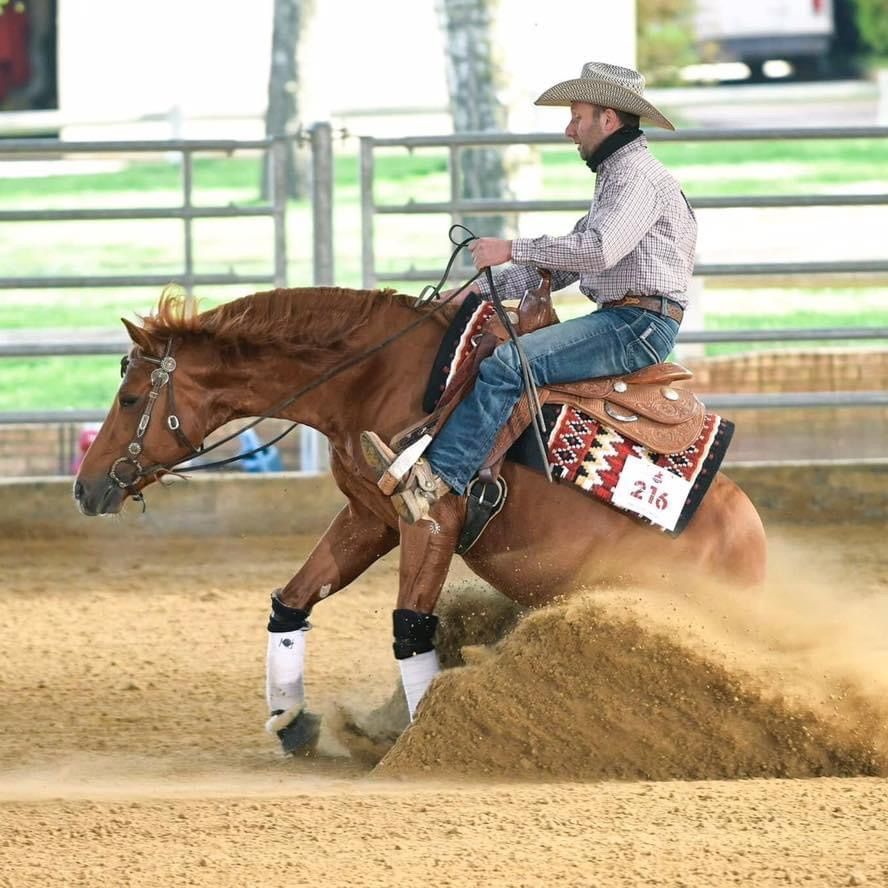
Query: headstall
column 160, row 377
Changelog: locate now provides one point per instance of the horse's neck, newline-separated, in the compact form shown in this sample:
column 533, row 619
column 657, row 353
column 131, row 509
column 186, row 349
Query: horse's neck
column 383, row 392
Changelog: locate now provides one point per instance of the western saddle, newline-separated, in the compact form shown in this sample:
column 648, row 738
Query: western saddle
column 642, row 406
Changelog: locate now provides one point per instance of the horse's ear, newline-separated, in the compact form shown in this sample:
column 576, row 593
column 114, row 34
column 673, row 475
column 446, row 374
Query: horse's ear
column 139, row 336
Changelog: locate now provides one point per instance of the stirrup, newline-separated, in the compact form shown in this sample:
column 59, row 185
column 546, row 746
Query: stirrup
column 419, row 493
column 406, row 477
column 391, row 468
column 379, row 456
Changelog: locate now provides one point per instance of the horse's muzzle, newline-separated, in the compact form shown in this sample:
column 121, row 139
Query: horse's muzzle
column 99, row 497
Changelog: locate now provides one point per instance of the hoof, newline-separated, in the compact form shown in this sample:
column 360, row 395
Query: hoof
column 301, row 735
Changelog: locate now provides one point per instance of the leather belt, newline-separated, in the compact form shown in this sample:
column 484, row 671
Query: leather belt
column 659, row 304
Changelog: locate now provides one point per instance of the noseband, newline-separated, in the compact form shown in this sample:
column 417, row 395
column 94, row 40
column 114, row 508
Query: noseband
column 161, row 377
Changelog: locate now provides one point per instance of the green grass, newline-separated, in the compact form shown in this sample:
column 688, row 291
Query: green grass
column 236, row 173
column 799, row 320
column 54, row 383
column 400, row 172
column 793, row 167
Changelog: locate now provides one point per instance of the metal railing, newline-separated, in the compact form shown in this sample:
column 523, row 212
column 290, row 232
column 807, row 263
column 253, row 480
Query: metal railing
column 319, row 139
column 457, row 208
column 186, row 211
column 275, row 148
column 323, row 237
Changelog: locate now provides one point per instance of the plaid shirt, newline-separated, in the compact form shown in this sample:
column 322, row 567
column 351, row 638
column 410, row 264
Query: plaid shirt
column 638, row 237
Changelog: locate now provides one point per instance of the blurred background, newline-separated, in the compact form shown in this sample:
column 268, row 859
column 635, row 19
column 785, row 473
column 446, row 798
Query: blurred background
column 232, row 147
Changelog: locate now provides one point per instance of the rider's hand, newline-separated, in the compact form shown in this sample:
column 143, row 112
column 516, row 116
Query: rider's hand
column 489, row 251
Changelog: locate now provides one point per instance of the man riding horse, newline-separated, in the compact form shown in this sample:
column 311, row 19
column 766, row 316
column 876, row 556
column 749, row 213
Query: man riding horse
column 633, row 254
column 261, row 355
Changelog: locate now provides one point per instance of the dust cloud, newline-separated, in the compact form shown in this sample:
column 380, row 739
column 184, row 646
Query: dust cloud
column 790, row 681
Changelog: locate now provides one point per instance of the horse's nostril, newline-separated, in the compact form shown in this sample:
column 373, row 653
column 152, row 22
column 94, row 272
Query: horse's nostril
column 78, row 490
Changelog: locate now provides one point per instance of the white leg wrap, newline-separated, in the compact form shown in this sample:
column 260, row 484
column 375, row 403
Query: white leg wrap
column 416, row 676
column 284, row 672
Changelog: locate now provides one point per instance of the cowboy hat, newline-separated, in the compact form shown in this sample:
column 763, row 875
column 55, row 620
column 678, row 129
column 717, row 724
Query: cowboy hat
column 608, row 86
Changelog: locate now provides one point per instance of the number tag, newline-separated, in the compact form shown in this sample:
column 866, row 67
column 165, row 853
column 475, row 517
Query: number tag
column 648, row 490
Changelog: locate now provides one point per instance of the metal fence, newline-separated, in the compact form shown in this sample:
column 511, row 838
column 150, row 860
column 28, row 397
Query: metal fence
column 320, row 144
column 319, row 139
column 186, row 211
column 275, row 149
column 458, row 208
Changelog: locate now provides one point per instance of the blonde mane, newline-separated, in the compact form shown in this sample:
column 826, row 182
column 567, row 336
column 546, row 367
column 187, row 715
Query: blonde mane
column 317, row 318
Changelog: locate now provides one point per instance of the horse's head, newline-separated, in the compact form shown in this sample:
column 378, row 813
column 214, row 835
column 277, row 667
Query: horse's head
column 158, row 419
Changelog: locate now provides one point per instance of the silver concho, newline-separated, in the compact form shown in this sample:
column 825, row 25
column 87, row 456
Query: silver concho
column 135, row 448
column 612, row 412
column 670, row 394
column 168, row 364
column 159, row 377
column 620, row 386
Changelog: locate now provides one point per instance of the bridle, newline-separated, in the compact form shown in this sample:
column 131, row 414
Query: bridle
column 161, row 377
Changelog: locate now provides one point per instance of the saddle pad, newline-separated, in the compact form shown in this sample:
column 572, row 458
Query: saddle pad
column 456, row 347
column 592, row 457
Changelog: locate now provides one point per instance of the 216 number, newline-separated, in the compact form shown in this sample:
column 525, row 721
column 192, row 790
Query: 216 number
column 657, row 500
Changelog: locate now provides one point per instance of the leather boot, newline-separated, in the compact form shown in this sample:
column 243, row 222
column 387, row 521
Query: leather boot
column 411, row 496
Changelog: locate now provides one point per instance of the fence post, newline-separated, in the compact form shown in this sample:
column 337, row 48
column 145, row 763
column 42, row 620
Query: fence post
column 187, row 184
column 322, row 202
column 368, row 262
column 278, row 151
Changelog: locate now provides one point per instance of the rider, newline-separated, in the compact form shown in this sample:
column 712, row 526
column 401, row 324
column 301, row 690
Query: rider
column 636, row 241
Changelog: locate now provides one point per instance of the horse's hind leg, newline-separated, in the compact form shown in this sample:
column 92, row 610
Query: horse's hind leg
column 355, row 539
column 426, row 552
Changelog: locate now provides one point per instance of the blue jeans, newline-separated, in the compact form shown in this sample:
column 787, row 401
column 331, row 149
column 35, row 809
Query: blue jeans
column 603, row 343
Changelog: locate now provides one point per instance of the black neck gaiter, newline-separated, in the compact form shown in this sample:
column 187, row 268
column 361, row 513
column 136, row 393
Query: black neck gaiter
column 614, row 142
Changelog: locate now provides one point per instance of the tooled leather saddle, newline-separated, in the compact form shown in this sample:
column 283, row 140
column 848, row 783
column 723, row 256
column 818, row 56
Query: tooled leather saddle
column 643, row 406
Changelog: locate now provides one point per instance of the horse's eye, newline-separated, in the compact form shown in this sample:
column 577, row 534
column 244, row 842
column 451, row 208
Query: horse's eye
column 128, row 400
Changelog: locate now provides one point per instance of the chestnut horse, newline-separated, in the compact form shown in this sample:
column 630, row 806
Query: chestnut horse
column 239, row 359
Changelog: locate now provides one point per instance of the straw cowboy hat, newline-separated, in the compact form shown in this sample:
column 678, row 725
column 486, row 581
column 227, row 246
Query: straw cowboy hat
column 608, row 86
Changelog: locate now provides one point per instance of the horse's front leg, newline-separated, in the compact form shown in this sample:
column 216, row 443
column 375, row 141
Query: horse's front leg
column 426, row 552
column 355, row 540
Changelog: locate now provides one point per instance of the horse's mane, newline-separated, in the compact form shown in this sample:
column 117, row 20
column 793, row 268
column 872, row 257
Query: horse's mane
column 316, row 318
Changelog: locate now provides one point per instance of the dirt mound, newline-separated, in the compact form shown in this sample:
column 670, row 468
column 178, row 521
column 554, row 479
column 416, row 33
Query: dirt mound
column 590, row 691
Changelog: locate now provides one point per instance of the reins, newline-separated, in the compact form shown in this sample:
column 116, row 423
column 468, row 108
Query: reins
column 430, row 293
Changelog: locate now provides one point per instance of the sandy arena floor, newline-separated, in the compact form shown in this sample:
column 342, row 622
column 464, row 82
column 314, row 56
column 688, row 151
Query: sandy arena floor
column 622, row 738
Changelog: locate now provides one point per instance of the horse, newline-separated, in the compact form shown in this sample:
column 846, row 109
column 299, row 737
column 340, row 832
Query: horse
column 242, row 358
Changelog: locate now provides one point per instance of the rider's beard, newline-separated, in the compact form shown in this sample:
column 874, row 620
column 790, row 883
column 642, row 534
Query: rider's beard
column 586, row 153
